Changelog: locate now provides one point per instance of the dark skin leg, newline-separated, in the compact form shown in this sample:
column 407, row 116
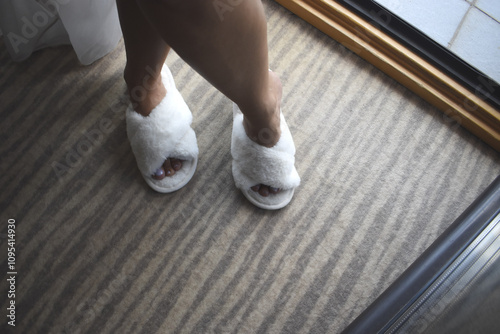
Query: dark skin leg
column 146, row 53
column 229, row 49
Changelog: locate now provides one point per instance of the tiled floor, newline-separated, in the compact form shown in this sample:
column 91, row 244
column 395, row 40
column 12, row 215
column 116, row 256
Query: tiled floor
column 469, row 28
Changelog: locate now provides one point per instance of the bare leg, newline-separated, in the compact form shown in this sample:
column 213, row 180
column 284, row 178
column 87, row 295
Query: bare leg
column 230, row 51
column 146, row 53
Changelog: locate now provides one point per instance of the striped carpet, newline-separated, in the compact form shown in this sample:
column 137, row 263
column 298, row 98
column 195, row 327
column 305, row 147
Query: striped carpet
column 97, row 251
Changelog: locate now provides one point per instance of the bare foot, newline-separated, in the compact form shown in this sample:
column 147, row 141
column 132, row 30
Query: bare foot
column 145, row 96
column 264, row 127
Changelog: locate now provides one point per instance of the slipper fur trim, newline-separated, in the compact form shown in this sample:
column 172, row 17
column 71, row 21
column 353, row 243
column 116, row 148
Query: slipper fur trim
column 165, row 133
column 255, row 164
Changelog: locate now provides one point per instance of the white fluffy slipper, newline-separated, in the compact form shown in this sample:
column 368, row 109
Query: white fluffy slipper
column 254, row 164
column 165, row 133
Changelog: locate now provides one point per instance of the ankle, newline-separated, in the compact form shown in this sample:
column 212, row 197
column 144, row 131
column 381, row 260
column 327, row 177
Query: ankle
column 262, row 118
column 262, row 125
column 145, row 91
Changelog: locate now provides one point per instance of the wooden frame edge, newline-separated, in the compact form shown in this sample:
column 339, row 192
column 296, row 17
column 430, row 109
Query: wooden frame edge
column 459, row 105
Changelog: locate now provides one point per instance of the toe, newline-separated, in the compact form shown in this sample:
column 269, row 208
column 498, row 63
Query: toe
column 176, row 164
column 264, row 191
column 273, row 190
column 159, row 174
column 256, row 188
column 167, row 166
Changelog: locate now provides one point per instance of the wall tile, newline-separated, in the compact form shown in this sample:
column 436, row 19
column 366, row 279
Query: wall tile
column 478, row 43
column 437, row 19
column 492, row 7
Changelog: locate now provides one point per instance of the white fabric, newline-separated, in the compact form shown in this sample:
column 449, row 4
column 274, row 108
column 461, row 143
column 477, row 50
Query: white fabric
column 91, row 26
column 254, row 164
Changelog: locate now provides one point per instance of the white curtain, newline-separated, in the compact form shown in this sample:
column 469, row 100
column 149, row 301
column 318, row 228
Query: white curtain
column 90, row 26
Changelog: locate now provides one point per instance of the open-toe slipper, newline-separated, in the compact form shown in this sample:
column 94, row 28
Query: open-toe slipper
column 165, row 133
column 254, row 164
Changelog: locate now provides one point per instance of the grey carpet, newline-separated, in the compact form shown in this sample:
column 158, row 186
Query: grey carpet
column 97, row 251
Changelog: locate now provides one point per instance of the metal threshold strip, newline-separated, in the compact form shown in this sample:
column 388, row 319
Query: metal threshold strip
column 453, row 287
column 446, row 306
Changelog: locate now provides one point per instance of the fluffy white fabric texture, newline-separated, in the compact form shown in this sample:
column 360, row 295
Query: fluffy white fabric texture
column 165, row 133
column 255, row 164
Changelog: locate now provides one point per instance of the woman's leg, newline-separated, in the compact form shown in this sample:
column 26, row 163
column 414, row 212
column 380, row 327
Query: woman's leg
column 228, row 46
column 146, row 53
